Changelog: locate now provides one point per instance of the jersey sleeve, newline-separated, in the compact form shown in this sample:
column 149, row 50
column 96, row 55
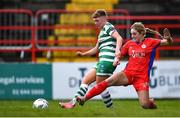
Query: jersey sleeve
column 110, row 29
column 124, row 49
column 155, row 42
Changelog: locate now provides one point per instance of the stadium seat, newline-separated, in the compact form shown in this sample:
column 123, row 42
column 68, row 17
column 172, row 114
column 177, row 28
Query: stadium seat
column 67, row 32
column 66, row 41
column 76, row 32
column 64, row 31
column 95, row 1
column 86, row 41
column 75, row 18
column 88, row 7
column 51, row 39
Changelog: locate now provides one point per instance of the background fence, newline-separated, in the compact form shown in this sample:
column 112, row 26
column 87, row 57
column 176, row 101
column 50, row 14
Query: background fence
column 46, row 34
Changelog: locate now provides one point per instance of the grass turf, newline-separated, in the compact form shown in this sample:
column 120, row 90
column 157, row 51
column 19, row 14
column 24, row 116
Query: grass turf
column 122, row 108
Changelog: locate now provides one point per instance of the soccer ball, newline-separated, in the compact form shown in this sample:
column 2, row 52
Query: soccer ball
column 40, row 103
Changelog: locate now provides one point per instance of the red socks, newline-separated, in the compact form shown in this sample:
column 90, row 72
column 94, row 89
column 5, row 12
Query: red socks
column 96, row 90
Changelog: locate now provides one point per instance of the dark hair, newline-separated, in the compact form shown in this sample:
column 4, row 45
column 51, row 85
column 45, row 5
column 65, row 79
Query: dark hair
column 99, row 13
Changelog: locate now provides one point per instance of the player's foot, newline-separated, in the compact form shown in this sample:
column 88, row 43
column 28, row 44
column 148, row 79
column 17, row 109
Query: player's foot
column 154, row 104
column 67, row 105
column 81, row 100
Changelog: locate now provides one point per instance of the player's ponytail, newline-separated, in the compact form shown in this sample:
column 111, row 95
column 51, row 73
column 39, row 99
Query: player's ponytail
column 148, row 30
column 143, row 30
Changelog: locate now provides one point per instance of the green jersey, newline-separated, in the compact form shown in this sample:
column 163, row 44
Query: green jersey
column 107, row 46
column 106, row 43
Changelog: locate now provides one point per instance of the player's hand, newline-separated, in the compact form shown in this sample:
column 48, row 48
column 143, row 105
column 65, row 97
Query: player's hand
column 167, row 35
column 116, row 61
column 78, row 53
column 118, row 54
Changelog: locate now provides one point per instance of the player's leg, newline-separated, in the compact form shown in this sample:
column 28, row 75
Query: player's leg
column 105, row 94
column 142, row 87
column 144, row 100
column 117, row 79
column 104, row 70
column 89, row 78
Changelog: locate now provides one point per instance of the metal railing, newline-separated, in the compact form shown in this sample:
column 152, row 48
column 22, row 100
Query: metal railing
column 158, row 23
column 17, row 31
column 46, row 31
column 68, row 25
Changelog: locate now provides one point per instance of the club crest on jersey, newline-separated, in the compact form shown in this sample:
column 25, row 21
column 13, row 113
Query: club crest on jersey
column 143, row 46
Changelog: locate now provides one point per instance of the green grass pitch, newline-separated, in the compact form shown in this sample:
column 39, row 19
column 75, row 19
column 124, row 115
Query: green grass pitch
column 93, row 108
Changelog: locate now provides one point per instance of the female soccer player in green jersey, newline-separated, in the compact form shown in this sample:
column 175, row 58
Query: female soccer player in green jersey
column 108, row 46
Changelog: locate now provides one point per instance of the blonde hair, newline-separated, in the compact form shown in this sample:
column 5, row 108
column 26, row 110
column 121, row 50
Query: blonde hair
column 138, row 26
column 99, row 13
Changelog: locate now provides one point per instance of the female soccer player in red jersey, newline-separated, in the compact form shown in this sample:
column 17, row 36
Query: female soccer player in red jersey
column 141, row 55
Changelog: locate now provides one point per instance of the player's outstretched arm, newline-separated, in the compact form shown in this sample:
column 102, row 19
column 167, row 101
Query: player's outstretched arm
column 148, row 30
column 90, row 52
